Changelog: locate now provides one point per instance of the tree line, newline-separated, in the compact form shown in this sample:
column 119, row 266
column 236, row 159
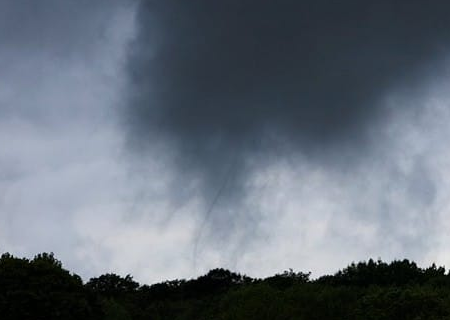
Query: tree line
column 41, row 289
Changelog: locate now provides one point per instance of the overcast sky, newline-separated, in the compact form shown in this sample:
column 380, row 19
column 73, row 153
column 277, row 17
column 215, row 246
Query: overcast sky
column 163, row 138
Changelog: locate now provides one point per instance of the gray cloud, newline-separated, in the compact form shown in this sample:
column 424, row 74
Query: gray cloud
column 59, row 89
column 225, row 71
column 63, row 28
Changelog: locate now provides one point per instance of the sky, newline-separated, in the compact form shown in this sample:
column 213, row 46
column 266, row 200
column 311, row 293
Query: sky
column 166, row 138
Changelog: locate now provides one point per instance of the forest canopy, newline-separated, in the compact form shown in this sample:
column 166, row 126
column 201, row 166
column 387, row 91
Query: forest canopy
column 40, row 288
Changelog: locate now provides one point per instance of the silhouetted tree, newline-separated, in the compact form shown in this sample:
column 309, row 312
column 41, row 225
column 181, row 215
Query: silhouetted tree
column 287, row 279
column 41, row 289
column 112, row 285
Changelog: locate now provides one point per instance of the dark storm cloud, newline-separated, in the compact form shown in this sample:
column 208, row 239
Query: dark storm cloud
column 228, row 82
column 224, row 73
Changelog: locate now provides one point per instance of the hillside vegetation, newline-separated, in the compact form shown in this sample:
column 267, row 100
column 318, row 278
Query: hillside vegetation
column 41, row 289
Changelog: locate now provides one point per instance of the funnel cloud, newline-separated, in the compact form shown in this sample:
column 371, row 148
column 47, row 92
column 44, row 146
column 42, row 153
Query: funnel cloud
column 229, row 87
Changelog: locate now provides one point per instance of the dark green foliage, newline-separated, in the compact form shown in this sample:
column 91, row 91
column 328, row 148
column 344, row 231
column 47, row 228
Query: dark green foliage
column 287, row 279
column 41, row 289
column 397, row 273
column 112, row 286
